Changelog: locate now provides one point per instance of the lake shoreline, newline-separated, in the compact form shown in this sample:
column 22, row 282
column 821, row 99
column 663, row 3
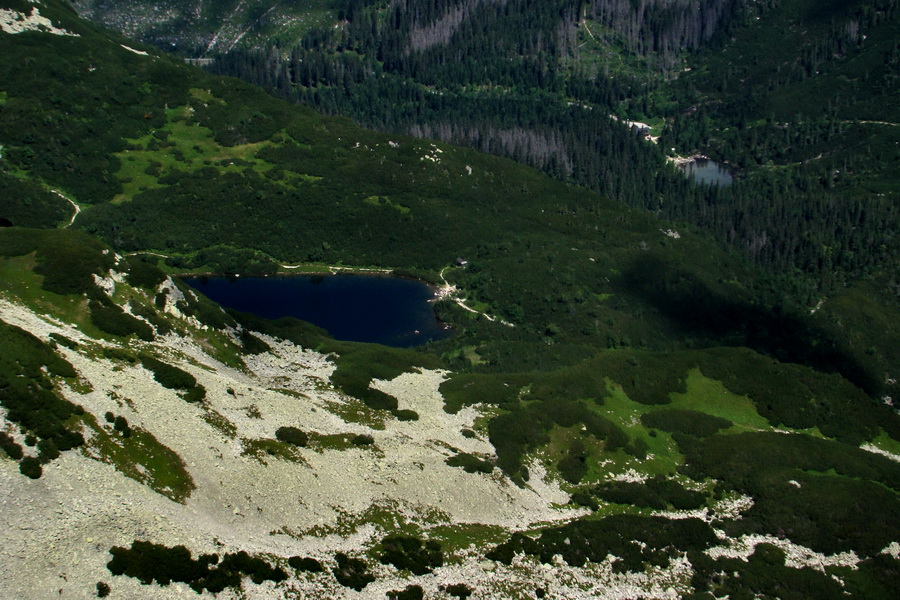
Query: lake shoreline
column 703, row 170
column 378, row 307
column 680, row 161
column 332, row 271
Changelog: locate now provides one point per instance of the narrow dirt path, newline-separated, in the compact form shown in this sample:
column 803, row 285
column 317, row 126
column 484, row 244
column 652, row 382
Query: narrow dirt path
column 449, row 291
column 74, row 206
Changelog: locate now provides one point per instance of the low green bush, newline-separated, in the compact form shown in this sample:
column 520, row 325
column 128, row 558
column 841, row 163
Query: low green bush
column 762, row 574
column 573, row 466
column 153, row 317
column 362, row 439
column 405, row 414
column 47, row 451
column 168, row 376
column 874, row 578
column 173, row 378
column 225, row 260
column 470, row 463
column 31, row 467
column 584, row 499
column 690, row 422
column 287, row 328
column 411, row 592
column 459, row 590
column 593, row 540
column 142, row 272
column 27, row 204
column 292, row 435
column 826, row 495
column 256, row 568
column 301, row 563
column 526, row 428
column 201, row 308
column 103, row 589
column 429, row 277
column 119, row 355
column 352, row 572
column 69, row 263
column 657, row 492
column 357, row 364
column 464, row 389
column 64, row 341
column 9, row 445
column 195, row 394
column 149, row 562
column 27, row 368
column 68, row 260
column 797, row 396
column 111, row 319
column 411, row 554
column 647, row 377
column 120, row 424
column 252, row 344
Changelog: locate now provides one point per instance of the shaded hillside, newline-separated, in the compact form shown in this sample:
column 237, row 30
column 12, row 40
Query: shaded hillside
column 806, row 117
column 537, row 82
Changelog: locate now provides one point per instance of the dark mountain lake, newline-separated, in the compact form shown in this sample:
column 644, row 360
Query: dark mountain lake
column 703, row 170
column 362, row 308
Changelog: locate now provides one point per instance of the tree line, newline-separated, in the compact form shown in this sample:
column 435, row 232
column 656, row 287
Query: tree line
column 495, row 76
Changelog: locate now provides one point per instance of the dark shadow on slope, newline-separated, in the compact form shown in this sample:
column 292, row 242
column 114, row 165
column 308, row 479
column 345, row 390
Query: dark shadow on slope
column 704, row 316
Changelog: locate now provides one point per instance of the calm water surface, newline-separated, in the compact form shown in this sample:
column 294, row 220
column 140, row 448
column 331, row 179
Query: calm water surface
column 707, row 171
column 360, row 308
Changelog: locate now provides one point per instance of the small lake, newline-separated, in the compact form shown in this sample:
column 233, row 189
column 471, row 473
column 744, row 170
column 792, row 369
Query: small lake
column 706, row 171
column 362, row 308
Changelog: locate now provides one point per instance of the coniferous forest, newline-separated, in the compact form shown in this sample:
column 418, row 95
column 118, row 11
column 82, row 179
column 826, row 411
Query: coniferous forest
column 533, row 81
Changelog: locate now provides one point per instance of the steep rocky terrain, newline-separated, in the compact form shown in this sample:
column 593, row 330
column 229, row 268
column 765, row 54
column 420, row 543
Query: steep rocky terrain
column 229, row 484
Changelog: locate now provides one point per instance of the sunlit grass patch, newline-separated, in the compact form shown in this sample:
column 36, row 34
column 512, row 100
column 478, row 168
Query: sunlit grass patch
column 385, row 515
column 179, row 145
column 337, row 441
column 355, row 411
column 713, row 398
column 662, row 452
column 457, row 537
column 204, row 95
column 220, row 423
column 386, row 202
column 267, row 449
column 19, row 282
column 141, row 457
column 186, row 146
column 886, row 443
